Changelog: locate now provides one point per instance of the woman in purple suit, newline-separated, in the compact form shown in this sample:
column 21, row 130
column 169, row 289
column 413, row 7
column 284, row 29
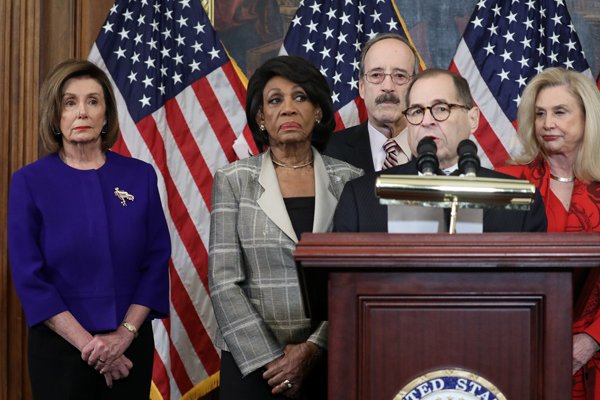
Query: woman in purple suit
column 89, row 247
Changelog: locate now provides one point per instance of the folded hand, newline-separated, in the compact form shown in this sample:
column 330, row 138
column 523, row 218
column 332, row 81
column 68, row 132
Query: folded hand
column 106, row 348
column 286, row 373
column 118, row 369
column 584, row 348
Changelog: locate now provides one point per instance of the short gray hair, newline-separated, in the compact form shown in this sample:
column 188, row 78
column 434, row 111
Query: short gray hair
column 383, row 36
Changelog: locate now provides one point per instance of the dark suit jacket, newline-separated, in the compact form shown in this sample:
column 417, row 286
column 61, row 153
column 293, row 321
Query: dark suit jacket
column 358, row 209
column 352, row 145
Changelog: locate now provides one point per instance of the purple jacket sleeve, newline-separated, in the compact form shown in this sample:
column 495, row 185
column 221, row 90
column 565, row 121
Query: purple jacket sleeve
column 39, row 298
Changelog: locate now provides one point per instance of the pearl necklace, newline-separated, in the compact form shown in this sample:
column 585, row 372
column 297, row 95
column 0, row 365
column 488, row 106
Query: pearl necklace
column 561, row 179
column 291, row 166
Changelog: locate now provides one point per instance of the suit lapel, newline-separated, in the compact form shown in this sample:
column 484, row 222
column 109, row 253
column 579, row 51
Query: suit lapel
column 271, row 201
column 380, row 211
column 325, row 201
column 360, row 146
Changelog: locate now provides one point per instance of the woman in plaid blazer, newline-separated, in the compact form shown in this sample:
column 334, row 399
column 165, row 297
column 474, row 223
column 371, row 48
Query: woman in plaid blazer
column 261, row 205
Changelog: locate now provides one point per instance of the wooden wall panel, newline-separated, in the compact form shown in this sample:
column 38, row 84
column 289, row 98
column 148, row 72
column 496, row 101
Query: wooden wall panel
column 20, row 47
column 35, row 35
column 91, row 16
column 5, row 26
column 57, row 41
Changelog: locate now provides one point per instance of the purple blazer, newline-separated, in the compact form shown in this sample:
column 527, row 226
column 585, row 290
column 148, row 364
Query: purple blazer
column 74, row 246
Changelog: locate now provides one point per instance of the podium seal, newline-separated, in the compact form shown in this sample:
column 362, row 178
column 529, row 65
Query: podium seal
column 450, row 384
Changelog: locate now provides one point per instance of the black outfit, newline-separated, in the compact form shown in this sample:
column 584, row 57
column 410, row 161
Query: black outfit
column 55, row 363
column 302, row 213
column 353, row 146
column 359, row 210
column 253, row 386
column 250, row 387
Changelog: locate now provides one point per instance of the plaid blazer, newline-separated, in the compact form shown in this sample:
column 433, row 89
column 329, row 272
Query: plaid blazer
column 252, row 273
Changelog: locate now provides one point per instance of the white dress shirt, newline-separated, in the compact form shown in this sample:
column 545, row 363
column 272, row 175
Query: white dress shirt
column 377, row 139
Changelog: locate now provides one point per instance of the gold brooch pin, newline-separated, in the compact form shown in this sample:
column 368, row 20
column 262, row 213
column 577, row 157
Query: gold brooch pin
column 123, row 195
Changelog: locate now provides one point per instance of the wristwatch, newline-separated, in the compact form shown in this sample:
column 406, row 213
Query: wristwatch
column 131, row 328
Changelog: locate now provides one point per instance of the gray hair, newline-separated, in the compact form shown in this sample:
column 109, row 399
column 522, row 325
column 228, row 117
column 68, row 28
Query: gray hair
column 383, row 36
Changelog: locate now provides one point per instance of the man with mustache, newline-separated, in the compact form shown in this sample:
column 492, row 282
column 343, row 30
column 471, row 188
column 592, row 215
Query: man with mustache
column 439, row 106
column 388, row 62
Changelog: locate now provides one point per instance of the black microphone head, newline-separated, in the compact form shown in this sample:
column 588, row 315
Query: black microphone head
column 426, row 145
column 466, row 146
column 427, row 161
column 468, row 160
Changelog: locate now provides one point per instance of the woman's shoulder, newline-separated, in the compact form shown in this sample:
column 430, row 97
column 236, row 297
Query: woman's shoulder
column 129, row 166
column 532, row 170
column 341, row 167
column 250, row 164
column 126, row 161
column 40, row 167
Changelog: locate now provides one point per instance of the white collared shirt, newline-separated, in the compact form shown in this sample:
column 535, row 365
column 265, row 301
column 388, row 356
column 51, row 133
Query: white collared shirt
column 377, row 139
column 447, row 171
column 450, row 170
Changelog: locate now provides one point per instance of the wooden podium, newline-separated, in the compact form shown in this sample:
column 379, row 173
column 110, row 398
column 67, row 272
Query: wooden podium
column 400, row 306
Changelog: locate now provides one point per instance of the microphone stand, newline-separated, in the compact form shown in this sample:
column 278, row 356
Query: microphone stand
column 468, row 164
column 453, row 216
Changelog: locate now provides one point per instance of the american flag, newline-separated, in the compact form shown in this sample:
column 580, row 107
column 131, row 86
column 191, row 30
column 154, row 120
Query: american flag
column 505, row 44
column 181, row 108
column 331, row 33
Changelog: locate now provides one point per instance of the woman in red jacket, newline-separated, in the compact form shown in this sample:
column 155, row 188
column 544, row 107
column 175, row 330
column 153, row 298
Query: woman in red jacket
column 559, row 126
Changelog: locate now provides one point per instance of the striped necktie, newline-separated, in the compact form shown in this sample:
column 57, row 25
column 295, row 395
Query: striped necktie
column 391, row 150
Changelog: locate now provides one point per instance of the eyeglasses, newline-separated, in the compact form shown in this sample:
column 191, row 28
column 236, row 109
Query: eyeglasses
column 439, row 111
column 398, row 77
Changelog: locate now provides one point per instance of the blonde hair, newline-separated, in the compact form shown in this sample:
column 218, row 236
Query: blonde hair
column 51, row 95
column 587, row 162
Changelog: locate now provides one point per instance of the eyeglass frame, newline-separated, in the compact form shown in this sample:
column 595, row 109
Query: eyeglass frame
column 430, row 108
column 368, row 74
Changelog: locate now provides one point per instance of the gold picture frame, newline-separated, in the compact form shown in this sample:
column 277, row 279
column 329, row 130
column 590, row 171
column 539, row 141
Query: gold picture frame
column 209, row 7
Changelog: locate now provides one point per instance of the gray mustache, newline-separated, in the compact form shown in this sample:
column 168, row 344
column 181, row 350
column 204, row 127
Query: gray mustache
column 387, row 98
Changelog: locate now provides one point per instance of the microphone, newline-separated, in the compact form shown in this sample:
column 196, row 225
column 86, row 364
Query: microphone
column 427, row 161
column 468, row 161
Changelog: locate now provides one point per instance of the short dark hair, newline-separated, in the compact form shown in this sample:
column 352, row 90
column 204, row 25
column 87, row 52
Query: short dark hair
column 307, row 76
column 51, row 95
column 460, row 84
column 379, row 38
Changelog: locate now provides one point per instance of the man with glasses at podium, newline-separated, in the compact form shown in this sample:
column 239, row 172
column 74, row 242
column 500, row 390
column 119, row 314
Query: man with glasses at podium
column 439, row 107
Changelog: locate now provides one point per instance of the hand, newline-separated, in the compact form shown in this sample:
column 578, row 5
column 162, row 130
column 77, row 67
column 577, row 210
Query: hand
column 292, row 367
column 584, row 348
column 119, row 369
column 104, row 349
